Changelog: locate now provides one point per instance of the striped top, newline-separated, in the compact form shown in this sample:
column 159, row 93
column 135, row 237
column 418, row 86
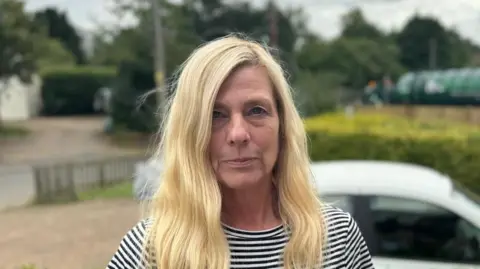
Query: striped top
column 345, row 249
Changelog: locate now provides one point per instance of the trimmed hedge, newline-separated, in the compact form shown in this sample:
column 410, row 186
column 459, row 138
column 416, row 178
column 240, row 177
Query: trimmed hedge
column 452, row 149
column 71, row 90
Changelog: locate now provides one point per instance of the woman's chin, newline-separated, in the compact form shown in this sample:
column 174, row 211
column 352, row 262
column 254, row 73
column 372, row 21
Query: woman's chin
column 241, row 181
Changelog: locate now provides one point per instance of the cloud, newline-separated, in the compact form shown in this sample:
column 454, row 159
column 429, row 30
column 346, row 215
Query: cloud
column 85, row 14
column 324, row 15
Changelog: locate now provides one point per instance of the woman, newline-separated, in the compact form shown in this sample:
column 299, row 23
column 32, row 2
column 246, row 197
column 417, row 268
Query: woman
column 235, row 189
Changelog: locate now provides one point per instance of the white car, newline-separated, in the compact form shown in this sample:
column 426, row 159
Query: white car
column 411, row 216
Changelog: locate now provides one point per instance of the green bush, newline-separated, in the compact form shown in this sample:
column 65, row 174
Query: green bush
column 71, row 91
column 449, row 151
column 132, row 107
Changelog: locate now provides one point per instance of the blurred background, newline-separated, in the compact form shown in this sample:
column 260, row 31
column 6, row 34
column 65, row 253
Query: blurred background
column 394, row 80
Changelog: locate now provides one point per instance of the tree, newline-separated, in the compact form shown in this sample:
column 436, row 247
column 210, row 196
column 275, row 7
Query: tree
column 318, row 92
column 463, row 50
column 16, row 42
column 17, row 57
column 354, row 25
column 422, row 40
column 131, row 50
column 135, row 43
column 358, row 60
column 124, row 46
column 51, row 53
column 59, row 27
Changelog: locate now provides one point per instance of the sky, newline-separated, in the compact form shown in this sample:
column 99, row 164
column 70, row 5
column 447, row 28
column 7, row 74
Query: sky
column 323, row 15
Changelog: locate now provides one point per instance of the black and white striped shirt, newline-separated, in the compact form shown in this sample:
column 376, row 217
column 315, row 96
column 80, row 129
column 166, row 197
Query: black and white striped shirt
column 346, row 248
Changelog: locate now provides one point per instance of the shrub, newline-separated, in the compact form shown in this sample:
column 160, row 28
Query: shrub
column 71, row 90
column 449, row 148
column 130, row 110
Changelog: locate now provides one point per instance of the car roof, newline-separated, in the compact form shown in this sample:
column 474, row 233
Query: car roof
column 349, row 175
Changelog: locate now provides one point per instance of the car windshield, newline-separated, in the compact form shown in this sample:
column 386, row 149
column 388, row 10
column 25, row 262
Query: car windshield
column 464, row 192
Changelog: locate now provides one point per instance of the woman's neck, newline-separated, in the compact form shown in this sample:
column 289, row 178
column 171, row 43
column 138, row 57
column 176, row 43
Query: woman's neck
column 251, row 209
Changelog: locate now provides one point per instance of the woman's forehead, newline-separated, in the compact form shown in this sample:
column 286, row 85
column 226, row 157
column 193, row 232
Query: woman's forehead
column 251, row 82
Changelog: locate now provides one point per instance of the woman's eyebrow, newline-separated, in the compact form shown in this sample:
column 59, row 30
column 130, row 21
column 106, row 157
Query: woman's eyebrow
column 259, row 100
column 256, row 100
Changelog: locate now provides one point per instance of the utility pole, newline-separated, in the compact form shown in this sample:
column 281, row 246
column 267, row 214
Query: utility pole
column 159, row 57
column 273, row 25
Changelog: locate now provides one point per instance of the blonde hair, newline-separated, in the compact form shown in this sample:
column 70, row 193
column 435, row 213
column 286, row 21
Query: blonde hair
column 186, row 231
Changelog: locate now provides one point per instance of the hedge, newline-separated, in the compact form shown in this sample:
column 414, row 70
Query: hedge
column 71, row 90
column 452, row 149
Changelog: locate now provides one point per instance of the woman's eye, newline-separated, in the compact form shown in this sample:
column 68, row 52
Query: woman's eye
column 217, row 114
column 257, row 111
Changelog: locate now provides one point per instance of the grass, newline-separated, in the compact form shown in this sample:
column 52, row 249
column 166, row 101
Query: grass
column 122, row 190
column 28, row 266
column 7, row 131
column 117, row 191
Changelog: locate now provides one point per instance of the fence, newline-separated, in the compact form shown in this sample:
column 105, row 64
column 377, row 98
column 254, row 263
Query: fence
column 464, row 114
column 64, row 181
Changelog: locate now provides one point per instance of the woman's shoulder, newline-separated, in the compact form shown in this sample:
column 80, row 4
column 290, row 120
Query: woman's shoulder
column 345, row 239
column 338, row 222
column 131, row 249
column 139, row 230
column 336, row 217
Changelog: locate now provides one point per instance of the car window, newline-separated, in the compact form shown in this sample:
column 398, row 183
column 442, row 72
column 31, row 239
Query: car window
column 341, row 201
column 413, row 229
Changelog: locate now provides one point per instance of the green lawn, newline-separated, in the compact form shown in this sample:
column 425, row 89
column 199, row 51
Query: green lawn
column 121, row 190
column 7, row 131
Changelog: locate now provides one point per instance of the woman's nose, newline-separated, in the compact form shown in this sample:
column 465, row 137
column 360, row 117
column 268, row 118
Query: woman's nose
column 238, row 132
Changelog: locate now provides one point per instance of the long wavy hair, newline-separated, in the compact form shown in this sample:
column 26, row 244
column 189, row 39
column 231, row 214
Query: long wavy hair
column 185, row 231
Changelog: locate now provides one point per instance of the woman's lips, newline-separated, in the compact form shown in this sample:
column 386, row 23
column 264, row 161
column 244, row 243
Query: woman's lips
column 241, row 162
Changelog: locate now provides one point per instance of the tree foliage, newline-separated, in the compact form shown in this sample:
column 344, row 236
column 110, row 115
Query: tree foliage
column 17, row 42
column 58, row 27
column 26, row 42
column 356, row 26
column 318, row 68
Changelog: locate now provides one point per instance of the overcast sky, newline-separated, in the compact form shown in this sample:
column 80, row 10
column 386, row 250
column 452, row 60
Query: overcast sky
column 324, row 15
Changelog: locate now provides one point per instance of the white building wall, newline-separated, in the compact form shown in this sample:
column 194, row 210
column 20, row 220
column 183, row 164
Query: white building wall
column 19, row 101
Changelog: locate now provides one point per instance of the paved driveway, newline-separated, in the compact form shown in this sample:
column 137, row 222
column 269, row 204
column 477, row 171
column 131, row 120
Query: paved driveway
column 60, row 138
column 51, row 140
column 17, row 185
column 82, row 235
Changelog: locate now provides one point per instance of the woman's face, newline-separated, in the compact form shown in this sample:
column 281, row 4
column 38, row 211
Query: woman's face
column 244, row 144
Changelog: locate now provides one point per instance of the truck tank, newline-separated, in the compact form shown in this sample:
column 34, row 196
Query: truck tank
column 432, row 87
column 438, row 87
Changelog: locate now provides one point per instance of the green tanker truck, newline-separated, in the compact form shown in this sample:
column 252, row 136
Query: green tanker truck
column 432, row 87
